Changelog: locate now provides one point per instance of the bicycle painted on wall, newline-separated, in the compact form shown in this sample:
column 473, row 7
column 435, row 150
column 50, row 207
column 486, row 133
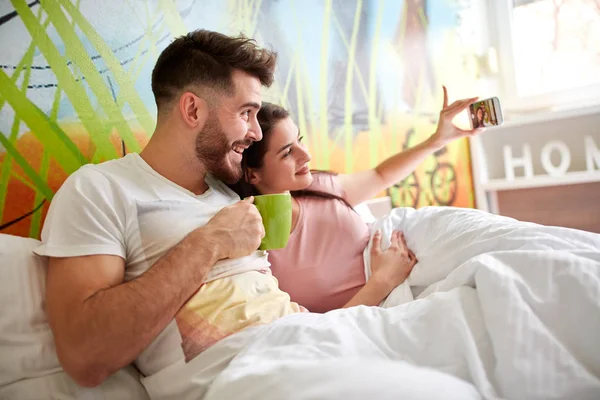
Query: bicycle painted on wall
column 442, row 180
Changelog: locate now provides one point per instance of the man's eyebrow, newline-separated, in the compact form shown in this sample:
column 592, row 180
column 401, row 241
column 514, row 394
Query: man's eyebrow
column 251, row 104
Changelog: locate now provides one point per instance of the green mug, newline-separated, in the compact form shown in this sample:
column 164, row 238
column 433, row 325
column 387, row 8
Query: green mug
column 276, row 213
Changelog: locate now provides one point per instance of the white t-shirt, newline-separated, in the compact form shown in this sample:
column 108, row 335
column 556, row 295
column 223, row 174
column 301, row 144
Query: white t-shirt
column 125, row 208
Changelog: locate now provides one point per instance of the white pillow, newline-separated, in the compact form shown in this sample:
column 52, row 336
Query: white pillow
column 29, row 367
column 443, row 238
column 365, row 213
column 25, row 339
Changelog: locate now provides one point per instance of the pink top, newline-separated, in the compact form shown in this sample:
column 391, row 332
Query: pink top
column 322, row 266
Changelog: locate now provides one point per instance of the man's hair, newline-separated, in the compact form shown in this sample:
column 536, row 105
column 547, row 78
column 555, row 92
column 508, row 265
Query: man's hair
column 205, row 60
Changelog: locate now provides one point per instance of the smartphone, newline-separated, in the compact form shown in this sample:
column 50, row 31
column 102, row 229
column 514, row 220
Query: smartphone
column 486, row 113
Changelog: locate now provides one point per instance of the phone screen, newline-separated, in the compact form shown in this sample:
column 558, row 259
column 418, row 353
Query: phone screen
column 485, row 113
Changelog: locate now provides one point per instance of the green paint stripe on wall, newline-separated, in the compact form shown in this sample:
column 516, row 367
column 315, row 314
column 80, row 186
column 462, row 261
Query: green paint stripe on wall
column 52, row 137
column 127, row 92
column 172, row 17
column 36, row 218
column 323, row 86
column 7, row 162
column 348, row 111
column 374, row 121
column 27, row 168
column 76, row 92
column 78, row 55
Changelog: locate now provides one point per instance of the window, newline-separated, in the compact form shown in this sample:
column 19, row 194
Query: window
column 549, row 52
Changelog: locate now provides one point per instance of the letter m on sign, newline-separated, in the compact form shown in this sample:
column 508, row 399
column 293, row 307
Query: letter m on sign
column 592, row 154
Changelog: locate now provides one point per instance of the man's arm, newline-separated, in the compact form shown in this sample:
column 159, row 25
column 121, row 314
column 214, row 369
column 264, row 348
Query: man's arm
column 101, row 324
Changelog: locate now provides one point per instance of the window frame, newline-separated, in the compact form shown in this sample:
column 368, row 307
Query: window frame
column 500, row 18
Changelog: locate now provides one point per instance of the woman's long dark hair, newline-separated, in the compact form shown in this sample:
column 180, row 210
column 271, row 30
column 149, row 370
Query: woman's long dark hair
column 479, row 123
column 268, row 116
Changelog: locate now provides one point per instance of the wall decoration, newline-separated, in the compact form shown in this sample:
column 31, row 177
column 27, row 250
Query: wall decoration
column 362, row 79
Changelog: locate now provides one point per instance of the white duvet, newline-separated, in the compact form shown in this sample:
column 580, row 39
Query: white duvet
column 502, row 309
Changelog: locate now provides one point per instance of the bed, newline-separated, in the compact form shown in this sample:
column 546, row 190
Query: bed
column 496, row 308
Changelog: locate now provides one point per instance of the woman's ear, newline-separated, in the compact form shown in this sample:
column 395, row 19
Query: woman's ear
column 252, row 176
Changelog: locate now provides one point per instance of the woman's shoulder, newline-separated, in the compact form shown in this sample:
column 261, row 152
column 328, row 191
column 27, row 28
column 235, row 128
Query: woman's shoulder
column 324, row 181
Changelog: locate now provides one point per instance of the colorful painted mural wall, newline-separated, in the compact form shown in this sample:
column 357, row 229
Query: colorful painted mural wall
column 362, row 79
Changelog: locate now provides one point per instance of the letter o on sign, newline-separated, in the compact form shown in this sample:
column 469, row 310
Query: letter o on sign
column 565, row 158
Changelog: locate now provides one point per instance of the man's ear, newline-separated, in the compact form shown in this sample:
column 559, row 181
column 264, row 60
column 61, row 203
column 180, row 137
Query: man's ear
column 193, row 109
column 252, row 176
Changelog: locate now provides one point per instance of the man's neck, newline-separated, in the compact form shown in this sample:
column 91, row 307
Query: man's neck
column 170, row 157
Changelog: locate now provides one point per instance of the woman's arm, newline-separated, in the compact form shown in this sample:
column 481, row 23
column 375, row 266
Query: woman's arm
column 372, row 294
column 390, row 268
column 364, row 185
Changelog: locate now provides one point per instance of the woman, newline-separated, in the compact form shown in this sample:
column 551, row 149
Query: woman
column 322, row 266
column 481, row 117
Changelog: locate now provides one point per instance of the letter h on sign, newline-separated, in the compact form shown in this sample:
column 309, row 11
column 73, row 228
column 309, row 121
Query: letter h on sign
column 592, row 159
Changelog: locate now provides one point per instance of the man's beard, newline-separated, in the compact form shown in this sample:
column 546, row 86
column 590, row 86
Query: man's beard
column 212, row 149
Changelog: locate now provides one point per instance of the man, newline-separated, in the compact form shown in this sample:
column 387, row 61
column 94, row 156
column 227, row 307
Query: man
column 133, row 242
